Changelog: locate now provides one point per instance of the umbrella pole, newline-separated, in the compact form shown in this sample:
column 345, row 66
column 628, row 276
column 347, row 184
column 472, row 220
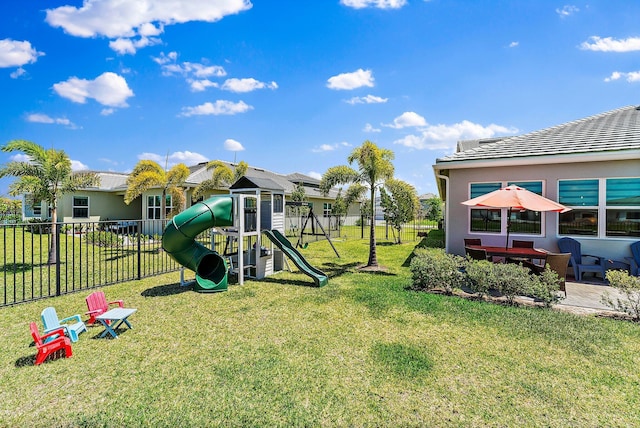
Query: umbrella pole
column 506, row 245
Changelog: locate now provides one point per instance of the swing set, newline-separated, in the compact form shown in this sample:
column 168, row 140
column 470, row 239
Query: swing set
column 314, row 222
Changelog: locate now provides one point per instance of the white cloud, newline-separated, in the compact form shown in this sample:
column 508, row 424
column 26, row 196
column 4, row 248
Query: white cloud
column 19, row 72
column 15, row 53
column 567, row 10
column 369, row 128
column 217, row 108
column 352, row 80
column 43, row 118
column 233, row 145
column 445, row 137
column 315, row 175
column 109, row 89
column 20, row 157
column 407, row 119
column 609, row 44
column 633, row 76
column 186, row 157
column 201, row 85
column 380, row 4
column 165, row 58
column 246, row 85
column 130, row 46
column 369, row 99
column 117, row 19
column 330, row 147
column 78, row 166
column 514, row 44
column 107, row 111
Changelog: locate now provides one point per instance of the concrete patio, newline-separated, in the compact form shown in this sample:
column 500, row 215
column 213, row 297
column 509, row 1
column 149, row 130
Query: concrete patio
column 583, row 297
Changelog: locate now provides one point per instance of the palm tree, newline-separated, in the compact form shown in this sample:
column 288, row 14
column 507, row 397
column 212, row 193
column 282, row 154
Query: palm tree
column 148, row 174
column 374, row 167
column 222, row 175
column 46, row 175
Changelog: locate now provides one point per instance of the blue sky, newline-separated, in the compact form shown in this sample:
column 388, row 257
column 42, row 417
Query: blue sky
column 294, row 86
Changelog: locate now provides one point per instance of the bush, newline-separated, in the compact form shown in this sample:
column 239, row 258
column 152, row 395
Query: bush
column 512, row 280
column 103, row 239
column 38, row 226
column 481, row 276
column 545, row 287
column 629, row 287
column 434, row 269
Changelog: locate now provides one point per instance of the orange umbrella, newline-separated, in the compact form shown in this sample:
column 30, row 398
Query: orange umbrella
column 515, row 197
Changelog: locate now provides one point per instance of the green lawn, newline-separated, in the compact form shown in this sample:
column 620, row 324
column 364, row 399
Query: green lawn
column 361, row 351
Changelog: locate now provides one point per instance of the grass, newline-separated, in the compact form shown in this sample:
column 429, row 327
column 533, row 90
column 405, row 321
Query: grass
column 361, row 351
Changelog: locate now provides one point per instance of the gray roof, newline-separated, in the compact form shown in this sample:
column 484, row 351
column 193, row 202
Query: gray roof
column 286, row 182
column 255, row 183
column 613, row 131
column 110, row 181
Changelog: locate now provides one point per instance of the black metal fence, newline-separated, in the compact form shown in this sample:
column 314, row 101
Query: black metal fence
column 34, row 265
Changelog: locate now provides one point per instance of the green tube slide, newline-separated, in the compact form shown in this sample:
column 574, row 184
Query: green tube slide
column 179, row 241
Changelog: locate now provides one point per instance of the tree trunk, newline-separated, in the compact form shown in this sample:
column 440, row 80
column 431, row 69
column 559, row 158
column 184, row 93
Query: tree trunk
column 53, row 254
column 373, row 258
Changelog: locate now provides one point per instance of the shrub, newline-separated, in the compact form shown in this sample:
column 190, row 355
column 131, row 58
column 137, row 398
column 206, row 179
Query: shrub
column 512, row 280
column 545, row 287
column 38, row 226
column 103, row 239
column 629, row 287
column 481, row 276
column 434, row 269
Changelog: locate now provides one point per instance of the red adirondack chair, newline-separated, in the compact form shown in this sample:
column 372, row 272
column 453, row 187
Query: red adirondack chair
column 98, row 305
column 46, row 348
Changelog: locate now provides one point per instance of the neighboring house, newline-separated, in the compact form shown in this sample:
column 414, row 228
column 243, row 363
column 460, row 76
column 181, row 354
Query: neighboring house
column 591, row 165
column 104, row 202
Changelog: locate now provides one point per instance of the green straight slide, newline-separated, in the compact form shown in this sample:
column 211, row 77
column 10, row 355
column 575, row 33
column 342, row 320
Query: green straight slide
column 179, row 241
column 285, row 245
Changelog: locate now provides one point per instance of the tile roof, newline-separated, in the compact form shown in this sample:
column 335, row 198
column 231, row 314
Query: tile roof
column 613, row 131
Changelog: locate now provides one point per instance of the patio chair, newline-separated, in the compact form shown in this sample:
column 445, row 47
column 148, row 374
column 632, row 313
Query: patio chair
column 570, row 245
column 519, row 244
column 51, row 322
column 98, row 305
column 476, row 253
column 634, row 261
column 472, row 241
column 50, row 343
column 557, row 262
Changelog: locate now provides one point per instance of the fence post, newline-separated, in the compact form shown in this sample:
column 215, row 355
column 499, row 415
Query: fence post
column 139, row 230
column 57, row 245
column 361, row 226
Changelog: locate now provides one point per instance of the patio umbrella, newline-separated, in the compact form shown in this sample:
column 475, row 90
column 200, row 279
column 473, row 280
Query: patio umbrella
column 515, row 197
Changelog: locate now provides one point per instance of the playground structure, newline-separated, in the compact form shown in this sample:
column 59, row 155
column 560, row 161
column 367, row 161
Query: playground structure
column 255, row 208
column 311, row 217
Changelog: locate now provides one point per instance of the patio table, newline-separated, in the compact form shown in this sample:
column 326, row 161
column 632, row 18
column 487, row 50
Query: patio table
column 519, row 252
column 115, row 317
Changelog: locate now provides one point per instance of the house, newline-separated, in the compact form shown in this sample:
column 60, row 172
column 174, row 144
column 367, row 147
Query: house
column 106, row 201
column 591, row 165
column 103, row 202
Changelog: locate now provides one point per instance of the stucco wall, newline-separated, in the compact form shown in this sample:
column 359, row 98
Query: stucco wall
column 459, row 187
column 102, row 206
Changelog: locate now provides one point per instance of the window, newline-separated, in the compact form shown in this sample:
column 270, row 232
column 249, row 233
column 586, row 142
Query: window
column 485, row 219
column 326, row 209
column 278, row 205
column 154, row 206
column 489, row 220
column 623, row 207
column 527, row 222
column 616, row 200
column 80, row 208
column 582, row 196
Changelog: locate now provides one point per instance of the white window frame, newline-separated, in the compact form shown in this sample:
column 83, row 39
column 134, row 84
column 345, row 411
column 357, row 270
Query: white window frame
column 83, row 207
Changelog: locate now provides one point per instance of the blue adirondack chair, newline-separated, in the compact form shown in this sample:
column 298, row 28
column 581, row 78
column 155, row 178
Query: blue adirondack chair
column 51, row 323
column 570, row 245
column 634, row 261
